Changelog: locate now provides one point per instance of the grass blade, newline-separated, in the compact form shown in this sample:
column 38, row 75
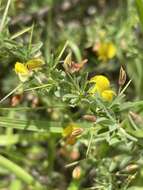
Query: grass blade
column 139, row 6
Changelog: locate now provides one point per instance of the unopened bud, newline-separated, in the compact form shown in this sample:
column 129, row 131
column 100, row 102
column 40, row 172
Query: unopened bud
column 91, row 118
column 122, row 77
column 67, row 62
column 131, row 167
column 76, row 174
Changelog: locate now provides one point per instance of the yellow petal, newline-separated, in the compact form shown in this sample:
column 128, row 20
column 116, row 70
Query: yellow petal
column 23, row 77
column 34, row 63
column 102, row 51
column 102, row 83
column 107, row 95
column 111, row 50
column 20, row 68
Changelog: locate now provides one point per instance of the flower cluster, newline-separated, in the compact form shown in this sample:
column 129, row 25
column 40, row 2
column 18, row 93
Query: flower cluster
column 101, row 85
column 25, row 70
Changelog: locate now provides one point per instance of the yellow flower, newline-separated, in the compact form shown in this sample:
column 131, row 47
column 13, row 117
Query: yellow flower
column 102, row 87
column 107, row 95
column 71, row 132
column 102, row 83
column 69, row 129
column 111, row 50
column 106, row 50
column 22, row 71
column 21, row 68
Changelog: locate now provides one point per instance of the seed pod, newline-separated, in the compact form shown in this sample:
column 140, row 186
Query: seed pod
column 122, row 77
column 91, row 118
column 76, row 174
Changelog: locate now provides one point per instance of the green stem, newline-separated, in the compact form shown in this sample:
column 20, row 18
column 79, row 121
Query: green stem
column 90, row 142
column 60, row 55
column 38, row 87
column 19, row 172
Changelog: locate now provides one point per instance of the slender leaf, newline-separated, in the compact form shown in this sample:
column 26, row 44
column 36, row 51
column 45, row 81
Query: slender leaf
column 139, row 5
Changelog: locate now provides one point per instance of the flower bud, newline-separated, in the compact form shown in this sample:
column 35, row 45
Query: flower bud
column 91, row 118
column 67, row 62
column 76, row 174
column 16, row 99
column 131, row 167
column 77, row 132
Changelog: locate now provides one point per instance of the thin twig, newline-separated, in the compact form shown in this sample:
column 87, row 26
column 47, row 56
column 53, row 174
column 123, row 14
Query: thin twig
column 14, row 90
column 60, row 55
